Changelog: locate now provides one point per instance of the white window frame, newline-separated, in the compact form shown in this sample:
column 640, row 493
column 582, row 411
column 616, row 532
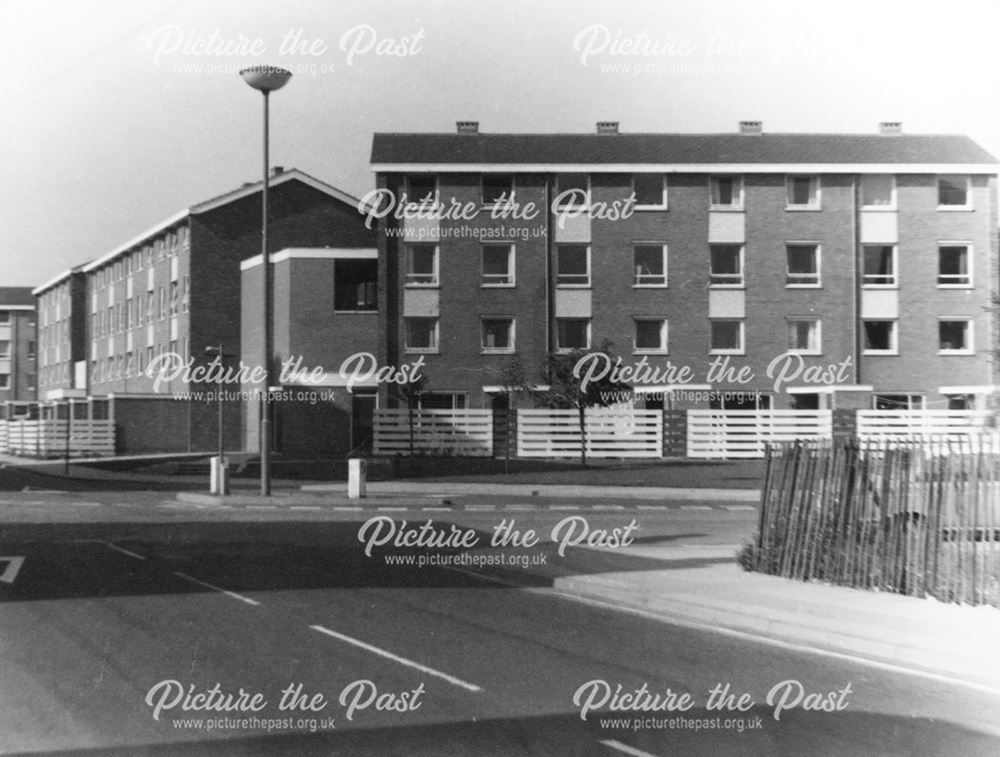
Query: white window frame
column 970, row 334
column 636, row 283
column 816, row 204
column 818, row 323
column 662, row 204
column 586, row 285
column 894, row 284
column 968, row 192
column 892, row 195
column 969, row 253
column 741, row 284
column 818, row 249
column 511, row 266
column 893, row 337
column 410, row 203
column 512, row 333
column 437, row 266
column 914, row 400
column 713, row 181
column 436, row 333
column 589, row 323
column 664, row 347
column 740, row 349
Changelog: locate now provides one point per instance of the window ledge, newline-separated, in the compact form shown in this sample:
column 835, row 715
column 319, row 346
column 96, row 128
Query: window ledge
column 954, row 208
column 498, row 286
column 649, row 207
column 880, row 352
column 803, row 208
column 650, row 286
column 726, row 208
column 956, row 352
column 803, row 286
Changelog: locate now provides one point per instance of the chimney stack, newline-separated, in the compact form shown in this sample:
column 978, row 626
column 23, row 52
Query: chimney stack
column 751, row 127
column 467, row 127
column 607, row 127
column 890, row 127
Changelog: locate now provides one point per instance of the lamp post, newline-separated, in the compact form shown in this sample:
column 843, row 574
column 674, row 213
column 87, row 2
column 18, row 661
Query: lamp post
column 265, row 79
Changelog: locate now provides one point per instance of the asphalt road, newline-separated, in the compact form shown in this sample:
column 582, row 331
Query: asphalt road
column 125, row 601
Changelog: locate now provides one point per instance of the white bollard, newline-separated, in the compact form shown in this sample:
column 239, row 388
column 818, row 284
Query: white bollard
column 356, row 478
column 219, row 482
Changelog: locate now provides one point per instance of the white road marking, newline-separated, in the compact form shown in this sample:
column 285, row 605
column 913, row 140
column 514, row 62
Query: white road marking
column 348, row 509
column 86, row 504
column 695, row 507
column 436, row 509
column 520, row 507
column 305, row 507
column 607, row 507
column 13, row 567
column 124, row 551
column 480, row 507
column 396, row 658
column 228, row 593
column 625, row 748
column 565, row 507
column 391, row 509
column 739, row 507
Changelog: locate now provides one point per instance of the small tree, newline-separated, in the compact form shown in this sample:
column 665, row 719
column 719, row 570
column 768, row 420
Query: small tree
column 565, row 389
column 410, row 393
column 514, row 382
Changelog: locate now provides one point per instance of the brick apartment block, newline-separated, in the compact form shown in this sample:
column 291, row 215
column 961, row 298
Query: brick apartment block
column 177, row 288
column 17, row 345
column 863, row 263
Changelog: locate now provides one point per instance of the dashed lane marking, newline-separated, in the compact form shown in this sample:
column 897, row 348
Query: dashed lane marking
column 124, row 551
column 625, row 748
column 396, row 658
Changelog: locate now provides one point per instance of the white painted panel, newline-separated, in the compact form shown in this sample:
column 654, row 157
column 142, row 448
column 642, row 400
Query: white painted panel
column 727, row 303
column 5, row 333
column 93, row 350
column 111, row 294
column 111, row 345
column 727, row 228
column 879, row 303
column 573, row 303
column 80, row 374
column 128, row 341
column 5, row 367
column 149, row 279
column 879, row 227
column 173, row 329
column 174, row 267
column 421, row 302
column 128, row 287
column 421, row 230
column 572, row 230
column 150, row 337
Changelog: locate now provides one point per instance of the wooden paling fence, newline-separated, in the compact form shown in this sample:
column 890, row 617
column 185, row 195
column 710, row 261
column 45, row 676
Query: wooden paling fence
column 913, row 517
column 433, row 432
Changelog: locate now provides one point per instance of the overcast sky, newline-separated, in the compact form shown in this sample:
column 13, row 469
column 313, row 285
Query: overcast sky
column 115, row 114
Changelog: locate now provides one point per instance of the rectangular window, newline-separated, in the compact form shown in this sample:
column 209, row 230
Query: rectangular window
column 129, row 305
column 650, row 190
column 497, row 265
column 804, row 336
column 879, row 265
column 4, row 316
column 802, row 265
column 573, row 265
column 163, row 302
column 4, row 348
column 650, row 335
column 572, row 334
column 421, row 334
column 739, row 401
column 953, row 265
column 878, row 191
column 186, row 295
column 726, row 265
column 355, row 285
column 421, row 189
column 175, row 298
column 650, row 264
column 497, row 188
column 4, row 380
column 422, row 265
column 442, row 401
column 880, row 337
column 953, row 192
column 726, row 191
column 726, row 337
column 898, row 402
column 955, row 336
column 497, row 335
column 802, row 191
column 572, row 189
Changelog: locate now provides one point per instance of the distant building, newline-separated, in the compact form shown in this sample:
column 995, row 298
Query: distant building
column 867, row 261
column 18, row 344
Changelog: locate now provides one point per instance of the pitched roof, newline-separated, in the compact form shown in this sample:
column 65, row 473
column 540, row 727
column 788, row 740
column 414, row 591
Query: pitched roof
column 16, row 297
column 674, row 149
column 248, row 189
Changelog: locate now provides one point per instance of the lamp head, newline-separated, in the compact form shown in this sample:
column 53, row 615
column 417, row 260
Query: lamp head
column 265, row 78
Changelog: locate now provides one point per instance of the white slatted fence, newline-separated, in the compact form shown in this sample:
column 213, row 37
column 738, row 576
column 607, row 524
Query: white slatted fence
column 899, row 425
column 722, row 434
column 462, row 433
column 615, row 432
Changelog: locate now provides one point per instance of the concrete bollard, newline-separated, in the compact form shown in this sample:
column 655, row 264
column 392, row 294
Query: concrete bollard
column 219, row 483
column 356, row 478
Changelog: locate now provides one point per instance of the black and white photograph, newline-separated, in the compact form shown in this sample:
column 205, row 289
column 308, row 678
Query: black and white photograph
column 481, row 378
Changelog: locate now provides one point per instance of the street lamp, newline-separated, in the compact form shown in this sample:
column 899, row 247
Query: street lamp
column 265, row 79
